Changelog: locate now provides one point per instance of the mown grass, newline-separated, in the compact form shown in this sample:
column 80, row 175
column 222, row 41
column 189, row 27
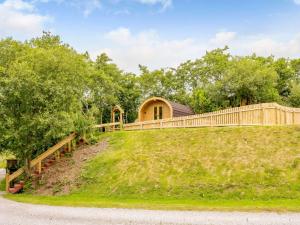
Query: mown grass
column 76, row 200
column 245, row 168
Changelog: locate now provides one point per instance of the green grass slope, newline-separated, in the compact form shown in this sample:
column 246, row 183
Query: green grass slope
column 204, row 168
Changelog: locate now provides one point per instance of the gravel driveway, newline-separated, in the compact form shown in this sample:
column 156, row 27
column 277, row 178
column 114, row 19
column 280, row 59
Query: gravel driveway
column 12, row 213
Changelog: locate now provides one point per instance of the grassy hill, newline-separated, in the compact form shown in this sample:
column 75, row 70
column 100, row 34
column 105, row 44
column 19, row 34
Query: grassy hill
column 203, row 168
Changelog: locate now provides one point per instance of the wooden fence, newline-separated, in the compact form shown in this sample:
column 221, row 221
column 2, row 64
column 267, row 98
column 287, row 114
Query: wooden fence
column 37, row 162
column 259, row 114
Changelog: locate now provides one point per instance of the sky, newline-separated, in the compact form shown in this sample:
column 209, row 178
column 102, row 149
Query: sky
column 159, row 33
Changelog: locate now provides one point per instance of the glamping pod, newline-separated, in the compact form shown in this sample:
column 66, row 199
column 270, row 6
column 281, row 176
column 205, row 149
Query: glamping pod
column 157, row 108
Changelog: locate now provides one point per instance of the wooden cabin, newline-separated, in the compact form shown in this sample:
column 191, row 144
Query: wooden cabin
column 157, row 108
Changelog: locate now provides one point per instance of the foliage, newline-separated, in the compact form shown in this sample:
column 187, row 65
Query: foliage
column 40, row 91
column 294, row 98
column 48, row 90
column 219, row 80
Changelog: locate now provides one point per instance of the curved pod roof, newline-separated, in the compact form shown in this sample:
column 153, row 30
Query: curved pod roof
column 176, row 109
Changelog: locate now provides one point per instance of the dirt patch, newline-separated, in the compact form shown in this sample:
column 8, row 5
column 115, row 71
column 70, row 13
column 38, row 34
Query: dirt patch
column 63, row 176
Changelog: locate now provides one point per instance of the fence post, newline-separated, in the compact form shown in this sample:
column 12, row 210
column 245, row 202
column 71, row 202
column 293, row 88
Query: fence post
column 262, row 115
column 240, row 117
column 7, row 183
column 276, row 115
column 293, row 116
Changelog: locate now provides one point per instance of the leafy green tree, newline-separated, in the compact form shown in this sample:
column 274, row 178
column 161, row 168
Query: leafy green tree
column 294, row 98
column 42, row 86
column 249, row 81
column 286, row 75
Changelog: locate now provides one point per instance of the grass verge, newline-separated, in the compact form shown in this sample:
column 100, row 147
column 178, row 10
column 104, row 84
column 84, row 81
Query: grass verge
column 278, row 205
column 243, row 168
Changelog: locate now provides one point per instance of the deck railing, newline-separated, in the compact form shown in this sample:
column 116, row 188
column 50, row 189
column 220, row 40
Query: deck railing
column 258, row 114
column 37, row 162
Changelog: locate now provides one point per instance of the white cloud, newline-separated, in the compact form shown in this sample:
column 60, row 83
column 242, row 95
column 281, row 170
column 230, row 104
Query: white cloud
column 17, row 5
column 223, row 38
column 18, row 18
column 165, row 3
column 266, row 46
column 120, row 36
column 129, row 49
column 297, row 2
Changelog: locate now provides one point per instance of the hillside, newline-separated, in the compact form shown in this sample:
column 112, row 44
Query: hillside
column 230, row 166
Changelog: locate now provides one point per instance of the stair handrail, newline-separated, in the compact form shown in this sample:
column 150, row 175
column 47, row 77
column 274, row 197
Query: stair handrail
column 107, row 125
column 38, row 160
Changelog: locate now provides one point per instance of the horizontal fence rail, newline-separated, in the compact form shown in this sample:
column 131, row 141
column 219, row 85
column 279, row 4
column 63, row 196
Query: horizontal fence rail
column 37, row 162
column 258, row 114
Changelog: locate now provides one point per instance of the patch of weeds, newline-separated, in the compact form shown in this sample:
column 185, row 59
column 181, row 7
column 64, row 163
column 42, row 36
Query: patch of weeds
column 58, row 187
column 28, row 186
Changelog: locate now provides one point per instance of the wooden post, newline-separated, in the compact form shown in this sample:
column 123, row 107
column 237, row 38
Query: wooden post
column 57, row 155
column 7, row 183
column 73, row 144
column 121, row 120
column 276, row 116
column 293, row 117
column 240, row 117
column 262, row 116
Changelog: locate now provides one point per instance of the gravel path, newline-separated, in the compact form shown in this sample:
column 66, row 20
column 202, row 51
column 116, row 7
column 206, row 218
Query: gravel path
column 12, row 213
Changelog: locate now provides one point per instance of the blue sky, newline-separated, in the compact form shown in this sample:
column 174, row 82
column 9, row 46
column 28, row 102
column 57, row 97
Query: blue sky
column 159, row 33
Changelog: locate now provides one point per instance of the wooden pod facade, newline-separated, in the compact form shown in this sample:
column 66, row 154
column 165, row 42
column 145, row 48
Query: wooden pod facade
column 157, row 108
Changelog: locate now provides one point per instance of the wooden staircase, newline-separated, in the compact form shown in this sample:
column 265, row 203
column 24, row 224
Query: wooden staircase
column 41, row 163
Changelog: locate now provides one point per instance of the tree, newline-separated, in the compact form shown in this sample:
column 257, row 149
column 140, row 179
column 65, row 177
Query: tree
column 249, row 81
column 42, row 86
column 286, row 75
column 294, row 98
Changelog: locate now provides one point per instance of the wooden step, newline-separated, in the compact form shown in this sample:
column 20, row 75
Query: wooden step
column 17, row 188
column 12, row 190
